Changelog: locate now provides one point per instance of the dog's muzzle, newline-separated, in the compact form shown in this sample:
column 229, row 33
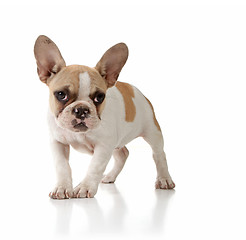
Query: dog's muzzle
column 81, row 113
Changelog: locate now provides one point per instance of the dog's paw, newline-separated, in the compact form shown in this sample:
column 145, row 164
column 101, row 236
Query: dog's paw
column 62, row 192
column 108, row 179
column 164, row 183
column 86, row 189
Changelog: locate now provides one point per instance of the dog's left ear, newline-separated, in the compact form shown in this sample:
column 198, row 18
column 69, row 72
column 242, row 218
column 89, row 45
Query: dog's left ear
column 112, row 62
column 48, row 57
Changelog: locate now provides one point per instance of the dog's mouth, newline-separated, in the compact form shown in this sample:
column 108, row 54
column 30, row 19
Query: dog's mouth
column 79, row 126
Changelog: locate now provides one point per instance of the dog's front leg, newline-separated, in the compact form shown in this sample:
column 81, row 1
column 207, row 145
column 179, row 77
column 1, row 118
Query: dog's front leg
column 88, row 187
column 64, row 187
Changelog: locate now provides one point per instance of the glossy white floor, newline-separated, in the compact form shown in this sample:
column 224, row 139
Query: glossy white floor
column 208, row 203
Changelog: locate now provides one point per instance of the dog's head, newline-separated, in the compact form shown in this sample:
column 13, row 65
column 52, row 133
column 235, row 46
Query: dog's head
column 77, row 93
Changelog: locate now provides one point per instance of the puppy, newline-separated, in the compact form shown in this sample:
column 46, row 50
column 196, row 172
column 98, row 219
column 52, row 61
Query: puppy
column 95, row 114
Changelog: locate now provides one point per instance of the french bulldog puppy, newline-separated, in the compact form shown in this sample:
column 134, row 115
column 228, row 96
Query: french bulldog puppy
column 95, row 114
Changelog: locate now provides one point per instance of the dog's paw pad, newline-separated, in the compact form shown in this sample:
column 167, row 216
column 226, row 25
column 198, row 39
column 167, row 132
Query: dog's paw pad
column 164, row 183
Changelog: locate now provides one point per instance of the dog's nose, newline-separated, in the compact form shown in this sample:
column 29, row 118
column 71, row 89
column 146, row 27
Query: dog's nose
column 81, row 112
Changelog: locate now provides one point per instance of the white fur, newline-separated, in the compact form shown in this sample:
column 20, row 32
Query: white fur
column 84, row 85
column 110, row 137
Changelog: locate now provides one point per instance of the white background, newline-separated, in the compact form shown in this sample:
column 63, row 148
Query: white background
column 189, row 59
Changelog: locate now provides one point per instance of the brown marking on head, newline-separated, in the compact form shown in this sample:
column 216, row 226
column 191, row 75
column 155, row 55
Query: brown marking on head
column 68, row 79
column 155, row 120
column 94, row 95
column 53, row 71
column 127, row 93
column 65, row 81
column 98, row 85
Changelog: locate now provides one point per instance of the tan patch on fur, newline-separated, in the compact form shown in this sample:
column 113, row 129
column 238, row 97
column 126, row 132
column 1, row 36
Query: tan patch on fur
column 128, row 94
column 155, row 120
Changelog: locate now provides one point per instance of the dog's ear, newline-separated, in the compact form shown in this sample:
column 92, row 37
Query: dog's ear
column 112, row 62
column 48, row 57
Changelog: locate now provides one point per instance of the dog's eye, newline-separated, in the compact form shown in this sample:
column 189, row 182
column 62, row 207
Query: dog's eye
column 99, row 98
column 61, row 96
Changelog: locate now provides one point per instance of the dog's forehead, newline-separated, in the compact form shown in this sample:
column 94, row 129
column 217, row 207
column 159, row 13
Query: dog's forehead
column 78, row 78
column 84, row 85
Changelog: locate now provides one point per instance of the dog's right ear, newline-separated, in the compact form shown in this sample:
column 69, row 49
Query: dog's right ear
column 48, row 57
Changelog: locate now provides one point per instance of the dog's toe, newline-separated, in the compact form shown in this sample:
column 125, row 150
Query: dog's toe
column 164, row 183
column 85, row 189
column 61, row 192
column 108, row 179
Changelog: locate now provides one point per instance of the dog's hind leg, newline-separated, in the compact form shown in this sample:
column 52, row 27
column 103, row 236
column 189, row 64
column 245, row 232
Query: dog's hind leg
column 120, row 156
column 155, row 140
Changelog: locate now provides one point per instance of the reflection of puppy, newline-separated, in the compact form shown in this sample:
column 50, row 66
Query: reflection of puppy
column 93, row 113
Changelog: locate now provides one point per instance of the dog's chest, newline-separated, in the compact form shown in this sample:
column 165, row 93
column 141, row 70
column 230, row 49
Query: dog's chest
column 79, row 142
column 83, row 146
